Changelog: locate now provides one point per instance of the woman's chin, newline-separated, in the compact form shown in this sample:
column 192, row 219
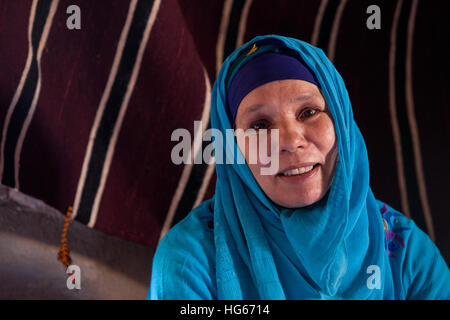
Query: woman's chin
column 296, row 201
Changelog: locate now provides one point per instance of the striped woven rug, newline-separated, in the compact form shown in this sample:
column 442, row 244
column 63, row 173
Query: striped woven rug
column 86, row 115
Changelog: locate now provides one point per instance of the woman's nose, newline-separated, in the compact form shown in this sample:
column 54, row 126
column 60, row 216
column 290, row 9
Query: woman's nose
column 292, row 137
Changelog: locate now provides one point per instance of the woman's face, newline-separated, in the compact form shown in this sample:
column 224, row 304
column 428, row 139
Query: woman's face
column 307, row 140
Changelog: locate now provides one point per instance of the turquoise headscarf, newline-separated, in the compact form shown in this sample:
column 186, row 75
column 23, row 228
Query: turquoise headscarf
column 332, row 249
column 259, row 245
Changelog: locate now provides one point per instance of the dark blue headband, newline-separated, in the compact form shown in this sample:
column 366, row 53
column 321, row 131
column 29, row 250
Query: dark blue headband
column 264, row 68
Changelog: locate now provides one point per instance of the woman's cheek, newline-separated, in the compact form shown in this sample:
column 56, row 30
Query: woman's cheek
column 256, row 150
column 325, row 135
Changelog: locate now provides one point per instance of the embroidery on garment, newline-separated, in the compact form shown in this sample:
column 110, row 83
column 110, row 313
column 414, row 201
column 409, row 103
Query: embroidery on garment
column 393, row 241
column 253, row 49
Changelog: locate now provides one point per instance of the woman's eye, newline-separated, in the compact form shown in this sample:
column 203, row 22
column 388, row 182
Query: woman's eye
column 308, row 113
column 258, row 125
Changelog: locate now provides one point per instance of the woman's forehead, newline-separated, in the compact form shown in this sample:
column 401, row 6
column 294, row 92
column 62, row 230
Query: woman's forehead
column 289, row 85
column 292, row 91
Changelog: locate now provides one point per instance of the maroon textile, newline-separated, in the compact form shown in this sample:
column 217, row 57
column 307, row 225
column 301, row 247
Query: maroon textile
column 69, row 140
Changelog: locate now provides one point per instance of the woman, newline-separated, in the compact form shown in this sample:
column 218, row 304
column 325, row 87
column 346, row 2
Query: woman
column 311, row 230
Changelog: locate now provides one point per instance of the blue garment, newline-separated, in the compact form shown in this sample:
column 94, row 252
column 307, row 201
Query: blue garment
column 348, row 245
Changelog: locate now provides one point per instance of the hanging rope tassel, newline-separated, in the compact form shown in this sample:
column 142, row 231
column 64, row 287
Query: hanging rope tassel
column 64, row 252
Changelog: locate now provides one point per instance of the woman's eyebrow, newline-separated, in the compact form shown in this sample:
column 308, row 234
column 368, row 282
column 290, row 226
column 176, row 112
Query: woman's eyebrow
column 254, row 108
column 304, row 97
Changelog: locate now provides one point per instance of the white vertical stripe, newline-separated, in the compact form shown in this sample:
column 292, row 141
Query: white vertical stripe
column 20, row 87
column 222, row 34
column 335, row 30
column 243, row 23
column 123, row 110
column 101, row 108
column 318, row 22
column 413, row 124
column 219, row 60
column 226, row 11
column 393, row 112
column 188, row 167
column 26, row 125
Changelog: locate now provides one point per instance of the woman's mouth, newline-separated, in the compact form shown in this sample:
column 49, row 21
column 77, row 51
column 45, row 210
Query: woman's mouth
column 299, row 174
column 298, row 171
column 295, row 172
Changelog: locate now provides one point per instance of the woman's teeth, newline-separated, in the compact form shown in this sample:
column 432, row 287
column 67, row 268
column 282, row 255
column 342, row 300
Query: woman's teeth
column 295, row 172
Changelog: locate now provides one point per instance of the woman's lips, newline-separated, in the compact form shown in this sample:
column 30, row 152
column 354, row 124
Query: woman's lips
column 300, row 177
column 301, row 165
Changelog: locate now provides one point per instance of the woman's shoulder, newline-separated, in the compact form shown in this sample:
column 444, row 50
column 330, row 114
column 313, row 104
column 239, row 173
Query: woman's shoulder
column 184, row 263
column 195, row 229
column 403, row 237
column 397, row 229
column 424, row 272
